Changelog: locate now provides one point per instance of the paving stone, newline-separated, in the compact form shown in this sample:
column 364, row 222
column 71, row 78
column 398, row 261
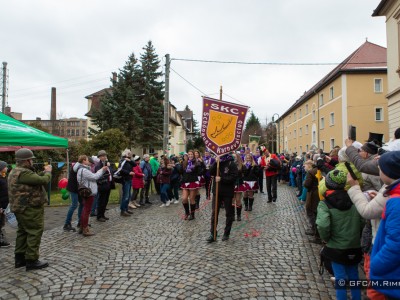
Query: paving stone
column 157, row 255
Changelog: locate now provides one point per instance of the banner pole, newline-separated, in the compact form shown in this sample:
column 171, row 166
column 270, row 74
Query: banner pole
column 216, row 203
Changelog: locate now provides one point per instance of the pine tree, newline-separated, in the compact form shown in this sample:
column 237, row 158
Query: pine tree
column 121, row 105
column 252, row 127
column 152, row 98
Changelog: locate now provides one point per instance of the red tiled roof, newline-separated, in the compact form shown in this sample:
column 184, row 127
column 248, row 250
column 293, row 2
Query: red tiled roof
column 368, row 57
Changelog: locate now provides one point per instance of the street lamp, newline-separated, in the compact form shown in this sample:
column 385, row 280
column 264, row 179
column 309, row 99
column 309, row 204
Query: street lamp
column 273, row 120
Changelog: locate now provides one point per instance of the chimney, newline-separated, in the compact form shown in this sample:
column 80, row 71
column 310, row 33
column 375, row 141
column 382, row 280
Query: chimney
column 53, row 109
column 7, row 111
column 114, row 78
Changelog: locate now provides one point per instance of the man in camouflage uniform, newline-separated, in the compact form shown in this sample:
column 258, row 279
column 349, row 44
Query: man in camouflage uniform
column 27, row 197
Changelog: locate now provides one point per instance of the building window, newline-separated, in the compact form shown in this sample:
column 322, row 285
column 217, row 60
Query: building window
column 306, row 109
column 68, row 132
column 294, row 117
column 321, row 99
column 300, row 131
column 332, row 144
column 313, row 115
column 378, row 85
column 332, row 119
column 314, row 136
column 307, row 147
column 379, row 114
column 322, row 123
column 77, row 132
column 331, row 93
column 72, row 132
column 83, row 132
column 301, row 149
column 322, row 145
column 300, row 113
column 294, row 134
column 306, row 129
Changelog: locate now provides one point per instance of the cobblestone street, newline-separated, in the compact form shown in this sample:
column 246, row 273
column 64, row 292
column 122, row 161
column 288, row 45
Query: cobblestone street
column 156, row 254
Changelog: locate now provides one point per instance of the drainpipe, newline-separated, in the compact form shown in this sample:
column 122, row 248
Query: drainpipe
column 317, row 141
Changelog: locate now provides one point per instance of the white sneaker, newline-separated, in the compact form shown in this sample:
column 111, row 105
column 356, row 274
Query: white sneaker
column 136, row 204
column 162, row 205
column 168, row 203
column 131, row 205
column 176, row 202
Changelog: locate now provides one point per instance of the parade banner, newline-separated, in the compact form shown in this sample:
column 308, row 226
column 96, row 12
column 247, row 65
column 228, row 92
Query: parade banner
column 222, row 125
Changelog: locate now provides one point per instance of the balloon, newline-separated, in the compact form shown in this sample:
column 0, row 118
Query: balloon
column 65, row 196
column 63, row 191
column 62, row 184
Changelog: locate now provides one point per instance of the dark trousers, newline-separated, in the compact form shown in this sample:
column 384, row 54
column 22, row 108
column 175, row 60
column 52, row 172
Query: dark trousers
column 272, row 182
column 102, row 202
column 229, row 212
column 157, row 185
column 207, row 186
column 174, row 190
column 145, row 191
column 135, row 193
column 260, row 180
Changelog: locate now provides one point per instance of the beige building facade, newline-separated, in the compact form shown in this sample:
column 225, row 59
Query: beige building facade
column 351, row 94
column 391, row 10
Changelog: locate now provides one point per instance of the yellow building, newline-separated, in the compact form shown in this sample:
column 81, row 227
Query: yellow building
column 391, row 10
column 351, row 94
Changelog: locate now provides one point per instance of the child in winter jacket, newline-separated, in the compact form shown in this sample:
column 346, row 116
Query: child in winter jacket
column 339, row 225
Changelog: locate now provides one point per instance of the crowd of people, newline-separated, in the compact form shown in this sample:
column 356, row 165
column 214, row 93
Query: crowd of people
column 351, row 197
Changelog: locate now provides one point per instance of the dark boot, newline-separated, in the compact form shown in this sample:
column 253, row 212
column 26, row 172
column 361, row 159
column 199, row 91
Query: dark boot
column 197, row 200
column 246, row 203
column 186, row 207
column 68, row 227
column 36, row 264
column 148, row 200
column 251, row 201
column 239, row 213
column 192, row 209
column 211, row 238
column 20, row 260
column 225, row 237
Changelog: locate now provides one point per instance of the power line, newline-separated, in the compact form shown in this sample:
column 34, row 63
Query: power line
column 204, row 94
column 273, row 63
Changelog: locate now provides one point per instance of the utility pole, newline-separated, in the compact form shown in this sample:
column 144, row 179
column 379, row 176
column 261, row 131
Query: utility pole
column 166, row 105
column 4, row 89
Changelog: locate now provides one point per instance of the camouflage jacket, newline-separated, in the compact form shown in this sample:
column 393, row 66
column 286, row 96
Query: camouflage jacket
column 26, row 189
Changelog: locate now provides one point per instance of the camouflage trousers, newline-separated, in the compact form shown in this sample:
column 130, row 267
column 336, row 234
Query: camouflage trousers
column 29, row 232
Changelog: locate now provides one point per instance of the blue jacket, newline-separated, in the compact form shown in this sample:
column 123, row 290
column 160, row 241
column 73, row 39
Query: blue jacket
column 385, row 256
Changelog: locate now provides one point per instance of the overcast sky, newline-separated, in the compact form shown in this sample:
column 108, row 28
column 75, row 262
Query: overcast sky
column 74, row 45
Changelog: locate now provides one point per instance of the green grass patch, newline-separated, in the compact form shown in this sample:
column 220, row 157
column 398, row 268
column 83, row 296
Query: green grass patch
column 56, row 200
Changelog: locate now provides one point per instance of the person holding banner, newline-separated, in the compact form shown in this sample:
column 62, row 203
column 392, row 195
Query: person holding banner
column 225, row 178
column 190, row 184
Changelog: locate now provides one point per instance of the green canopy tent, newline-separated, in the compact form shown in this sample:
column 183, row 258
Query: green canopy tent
column 15, row 135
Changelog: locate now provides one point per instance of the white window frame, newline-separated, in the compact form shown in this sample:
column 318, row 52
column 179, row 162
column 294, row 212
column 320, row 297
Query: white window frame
column 300, row 131
column 306, row 109
column 332, row 144
column 331, row 93
column 381, row 112
column 313, row 115
column 294, row 117
column 380, row 85
column 300, row 113
column 306, row 147
column 331, row 119
column 307, row 129
column 294, row 134
column 321, row 99
column 314, row 136
column 322, row 145
column 322, row 123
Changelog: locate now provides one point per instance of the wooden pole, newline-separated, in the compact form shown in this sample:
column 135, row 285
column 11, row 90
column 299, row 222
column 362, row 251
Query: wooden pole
column 217, row 186
column 216, row 203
